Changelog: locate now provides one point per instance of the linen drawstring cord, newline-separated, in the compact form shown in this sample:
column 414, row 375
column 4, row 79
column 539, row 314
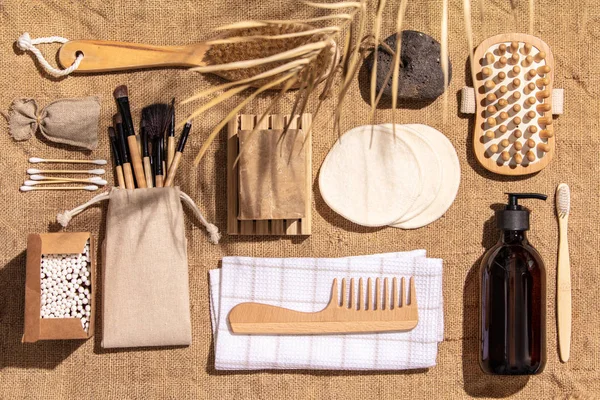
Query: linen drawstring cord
column 214, row 236
column 212, row 230
column 65, row 217
column 26, row 43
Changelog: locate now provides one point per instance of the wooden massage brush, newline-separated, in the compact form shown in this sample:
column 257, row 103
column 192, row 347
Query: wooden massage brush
column 348, row 316
column 513, row 133
column 102, row 56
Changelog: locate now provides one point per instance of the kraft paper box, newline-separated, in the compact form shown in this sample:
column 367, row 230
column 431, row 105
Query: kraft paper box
column 37, row 328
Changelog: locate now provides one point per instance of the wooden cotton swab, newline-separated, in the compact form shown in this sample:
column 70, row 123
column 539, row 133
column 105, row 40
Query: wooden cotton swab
column 89, row 188
column 32, row 171
column 100, row 182
column 96, row 180
column 35, row 160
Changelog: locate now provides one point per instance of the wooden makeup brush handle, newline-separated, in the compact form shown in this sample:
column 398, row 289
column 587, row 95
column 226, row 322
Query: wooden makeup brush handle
column 170, row 152
column 128, row 173
column 173, row 170
column 148, row 172
column 136, row 161
column 102, row 56
column 120, row 177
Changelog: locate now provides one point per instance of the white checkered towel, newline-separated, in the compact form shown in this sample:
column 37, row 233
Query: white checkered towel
column 304, row 284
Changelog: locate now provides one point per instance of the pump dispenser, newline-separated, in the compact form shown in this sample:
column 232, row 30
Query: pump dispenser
column 512, row 322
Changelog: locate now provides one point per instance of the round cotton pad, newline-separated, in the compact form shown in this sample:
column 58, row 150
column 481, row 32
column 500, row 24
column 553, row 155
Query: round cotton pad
column 430, row 168
column 369, row 177
column 450, row 178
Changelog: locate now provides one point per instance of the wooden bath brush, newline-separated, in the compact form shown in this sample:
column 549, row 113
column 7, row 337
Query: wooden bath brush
column 276, row 45
column 350, row 315
column 513, row 103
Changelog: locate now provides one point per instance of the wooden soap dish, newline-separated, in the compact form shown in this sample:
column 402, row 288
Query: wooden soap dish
column 351, row 315
column 514, row 75
column 290, row 227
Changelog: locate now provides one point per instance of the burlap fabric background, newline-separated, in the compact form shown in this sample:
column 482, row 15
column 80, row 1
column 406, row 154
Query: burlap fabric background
column 84, row 370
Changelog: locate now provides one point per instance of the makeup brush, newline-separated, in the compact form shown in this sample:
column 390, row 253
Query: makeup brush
column 159, row 148
column 123, row 149
column 117, row 157
column 177, row 158
column 563, row 285
column 171, row 138
column 96, row 180
column 36, row 160
column 31, row 171
column 155, row 122
column 89, row 188
column 121, row 96
column 146, row 155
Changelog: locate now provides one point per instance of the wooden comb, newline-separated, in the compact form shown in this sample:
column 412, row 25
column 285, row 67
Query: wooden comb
column 514, row 75
column 350, row 315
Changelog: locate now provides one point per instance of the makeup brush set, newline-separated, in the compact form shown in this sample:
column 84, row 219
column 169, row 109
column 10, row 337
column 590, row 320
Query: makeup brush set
column 147, row 162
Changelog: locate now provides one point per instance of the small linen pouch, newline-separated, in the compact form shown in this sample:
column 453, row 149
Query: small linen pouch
column 67, row 121
column 145, row 269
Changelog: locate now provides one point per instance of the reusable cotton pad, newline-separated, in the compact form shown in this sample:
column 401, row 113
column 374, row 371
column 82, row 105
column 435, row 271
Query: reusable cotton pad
column 370, row 177
column 430, row 168
column 450, row 167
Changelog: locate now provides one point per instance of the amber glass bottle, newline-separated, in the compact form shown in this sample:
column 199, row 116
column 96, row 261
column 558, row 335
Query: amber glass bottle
column 512, row 321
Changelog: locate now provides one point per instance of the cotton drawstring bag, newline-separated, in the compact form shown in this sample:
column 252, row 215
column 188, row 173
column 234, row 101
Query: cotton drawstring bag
column 145, row 269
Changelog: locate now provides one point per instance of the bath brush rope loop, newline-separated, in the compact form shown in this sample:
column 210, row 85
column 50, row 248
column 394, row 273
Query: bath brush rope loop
column 26, row 43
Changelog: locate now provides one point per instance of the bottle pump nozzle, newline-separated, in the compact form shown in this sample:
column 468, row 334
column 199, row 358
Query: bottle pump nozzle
column 514, row 217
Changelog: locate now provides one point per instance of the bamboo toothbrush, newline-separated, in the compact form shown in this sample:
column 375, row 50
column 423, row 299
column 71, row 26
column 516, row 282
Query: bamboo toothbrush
column 146, row 155
column 563, row 291
column 99, row 171
column 127, row 171
column 117, row 157
column 121, row 96
column 177, row 157
column 89, row 188
column 36, row 160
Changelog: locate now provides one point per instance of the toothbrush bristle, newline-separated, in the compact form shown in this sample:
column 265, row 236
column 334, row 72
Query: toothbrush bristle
column 563, row 199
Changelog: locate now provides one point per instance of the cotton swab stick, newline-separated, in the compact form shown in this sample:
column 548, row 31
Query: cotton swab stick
column 54, row 182
column 89, row 188
column 99, row 171
column 96, row 180
column 35, row 160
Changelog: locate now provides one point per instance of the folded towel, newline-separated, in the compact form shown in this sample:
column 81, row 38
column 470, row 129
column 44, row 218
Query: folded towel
column 304, row 284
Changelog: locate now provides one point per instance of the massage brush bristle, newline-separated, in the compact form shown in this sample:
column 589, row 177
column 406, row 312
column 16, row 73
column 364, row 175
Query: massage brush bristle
column 381, row 306
column 514, row 93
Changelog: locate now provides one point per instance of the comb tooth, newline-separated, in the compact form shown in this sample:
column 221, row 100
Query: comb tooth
column 334, row 292
column 394, row 303
column 361, row 300
column 402, row 302
column 413, row 292
column 377, row 304
column 343, row 302
column 386, row 296
column 369, row 293
column 352, row 295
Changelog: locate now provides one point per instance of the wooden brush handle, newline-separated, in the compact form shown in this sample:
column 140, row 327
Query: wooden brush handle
column 120, row 177
column 173, row 170
column 128, row 173
column 136, row 161
column 563, row 294
column 148, row 172
column 170, row 152
column 159, row 181
column 102, row 56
